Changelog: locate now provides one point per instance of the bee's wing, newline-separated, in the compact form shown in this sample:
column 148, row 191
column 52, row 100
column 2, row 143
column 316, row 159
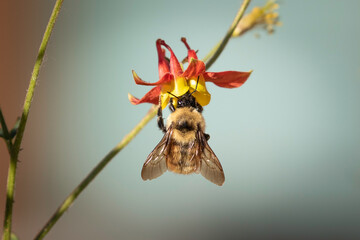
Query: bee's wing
column 155, row 164
column 210, row 165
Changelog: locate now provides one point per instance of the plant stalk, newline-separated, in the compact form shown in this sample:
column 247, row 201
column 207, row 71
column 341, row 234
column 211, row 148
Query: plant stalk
column 76, row 192
column 219, row 47
column 17, row 143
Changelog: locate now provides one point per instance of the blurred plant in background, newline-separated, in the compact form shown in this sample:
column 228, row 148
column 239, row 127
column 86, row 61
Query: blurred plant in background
column 265, row 17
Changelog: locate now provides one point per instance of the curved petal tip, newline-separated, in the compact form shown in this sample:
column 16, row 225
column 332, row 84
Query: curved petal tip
column 133, row 99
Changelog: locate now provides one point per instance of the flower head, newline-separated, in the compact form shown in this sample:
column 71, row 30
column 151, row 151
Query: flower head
column 259, row 16
column 175, row 82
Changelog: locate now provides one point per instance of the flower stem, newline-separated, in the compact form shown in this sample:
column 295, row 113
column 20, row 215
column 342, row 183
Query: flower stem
column 219, row 47
column 76, row 192
column 16, row 147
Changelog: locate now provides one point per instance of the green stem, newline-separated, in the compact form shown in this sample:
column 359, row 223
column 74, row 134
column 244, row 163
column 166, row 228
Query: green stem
column 219, row 47
column 5, row 130
column 16, row 147
column 75, row 193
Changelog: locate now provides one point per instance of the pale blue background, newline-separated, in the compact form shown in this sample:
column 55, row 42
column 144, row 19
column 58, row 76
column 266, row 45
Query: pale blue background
column 288, row 139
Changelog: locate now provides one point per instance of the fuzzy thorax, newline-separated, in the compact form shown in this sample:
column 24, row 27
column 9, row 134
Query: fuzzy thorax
column 185, row 122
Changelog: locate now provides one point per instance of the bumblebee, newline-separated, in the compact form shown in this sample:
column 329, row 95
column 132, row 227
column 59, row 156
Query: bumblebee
column 184, row 148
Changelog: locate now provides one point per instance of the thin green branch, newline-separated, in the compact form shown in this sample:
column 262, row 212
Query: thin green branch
column 35, row 74
column 75, row 193
column 6, row 133
column 17, row 143
column 219, row 47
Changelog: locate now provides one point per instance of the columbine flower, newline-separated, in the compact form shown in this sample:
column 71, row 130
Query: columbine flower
column 264, row 16
column 174, row 82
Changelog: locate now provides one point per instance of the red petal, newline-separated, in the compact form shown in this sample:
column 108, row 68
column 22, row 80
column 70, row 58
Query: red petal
column 151, row 97
column 166, row 78
column 191, row 53
column 195, row 68
column 175, row 67
column 163, row 63
column 228, row 79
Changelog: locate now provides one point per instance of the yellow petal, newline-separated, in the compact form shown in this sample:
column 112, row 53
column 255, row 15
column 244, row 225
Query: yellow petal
column 164, row 100
column 167, row 87
column 201, row 94
column 202, row 98
column 174, row 102
column 180, row 87
column 173, row 89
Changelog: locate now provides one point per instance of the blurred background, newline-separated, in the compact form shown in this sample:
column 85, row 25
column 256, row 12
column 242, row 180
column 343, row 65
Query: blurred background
column 288, row 139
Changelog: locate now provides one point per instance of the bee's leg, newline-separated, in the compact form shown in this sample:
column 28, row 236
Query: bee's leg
column 160, row 120
column 198, row 107
column 207, row 136
column 171, row 105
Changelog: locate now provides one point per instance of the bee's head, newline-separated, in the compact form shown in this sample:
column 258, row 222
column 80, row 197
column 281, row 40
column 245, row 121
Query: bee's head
column 186, row 100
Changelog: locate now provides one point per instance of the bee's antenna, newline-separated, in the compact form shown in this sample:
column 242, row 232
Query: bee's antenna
column 197, row 82
column 172, row 94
